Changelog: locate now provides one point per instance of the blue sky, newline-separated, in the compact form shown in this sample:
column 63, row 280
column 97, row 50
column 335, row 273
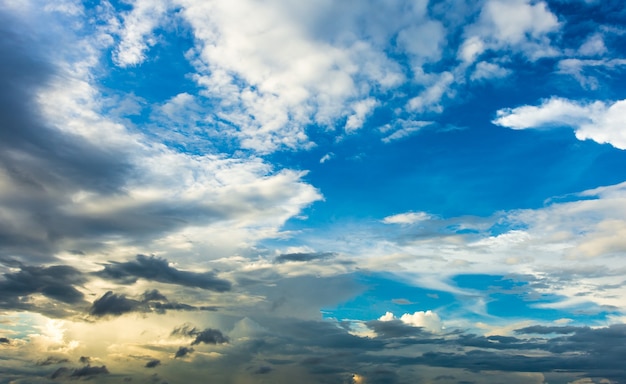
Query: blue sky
column 426, row 191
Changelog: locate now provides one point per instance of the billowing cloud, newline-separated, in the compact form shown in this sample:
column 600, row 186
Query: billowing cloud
column 520, row 25
column 20, row 290
column 428, row 320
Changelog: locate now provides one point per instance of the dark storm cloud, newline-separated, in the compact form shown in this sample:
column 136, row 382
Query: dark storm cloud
column 157, row 269
column 183, row 351
column 263, row 370
column 303, row 257
column 41, row 162
column 206, row 336
column 51, row 360
column 150, row 301
column 83, row 372
column 56, row 282
column 210, row 336
column 113, row 304
column 589, row 352
column 544, row 330
column 4, row 340
column 153, row 363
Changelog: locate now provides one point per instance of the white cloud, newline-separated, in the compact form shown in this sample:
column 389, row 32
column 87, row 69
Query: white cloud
column 136, row 34
column 291, row 76
column 430, row 99
column 362, row 109
column 428, row 320
column 159, row 200
column 406, row 129
column 327, row 157
column 520, row 25
column 423, row 42
column 471, row 49
column 485, row 70
column 599, row 121
column 593, row 46
column 578, row 67
column 407, row 218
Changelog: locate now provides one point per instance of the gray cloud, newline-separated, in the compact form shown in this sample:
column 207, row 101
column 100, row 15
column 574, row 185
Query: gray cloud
column 157, row 269
column 150, row 301
column 206, row 336
column 210, row 336
column 83, row 372
column 113, row 304
column 183, row 351
column 41, row 163
column 51, row 360
column 153, row 363
column 303, row 257
column 57, row 282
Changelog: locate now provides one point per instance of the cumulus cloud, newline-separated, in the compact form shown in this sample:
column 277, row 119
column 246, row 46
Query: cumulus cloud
column 428, row 320
column 599, row 121
column 518, row 25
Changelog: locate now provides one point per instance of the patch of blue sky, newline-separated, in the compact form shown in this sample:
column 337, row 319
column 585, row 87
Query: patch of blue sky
column 20, row 325
column 512, row 298
column 386, row 293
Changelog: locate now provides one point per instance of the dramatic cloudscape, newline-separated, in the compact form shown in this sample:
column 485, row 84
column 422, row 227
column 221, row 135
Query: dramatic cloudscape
column 329, row 191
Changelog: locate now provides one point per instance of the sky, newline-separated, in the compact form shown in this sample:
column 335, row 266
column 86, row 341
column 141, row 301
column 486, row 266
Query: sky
column 279, row 191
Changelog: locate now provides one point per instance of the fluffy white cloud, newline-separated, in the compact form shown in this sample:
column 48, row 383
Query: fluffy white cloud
column 362, row 109
column 428, row 320
column 519, row 25
column 136, row 33
column 599, row 121
column 274, row 72
column 485, row 70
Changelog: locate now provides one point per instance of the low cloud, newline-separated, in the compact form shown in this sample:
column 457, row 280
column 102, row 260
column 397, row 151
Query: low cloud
column 85, row 372
column 205, row 336
column 150, row 301
column 153, row 363
column 183, row 351
column 304, row 257
column 157, row 269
